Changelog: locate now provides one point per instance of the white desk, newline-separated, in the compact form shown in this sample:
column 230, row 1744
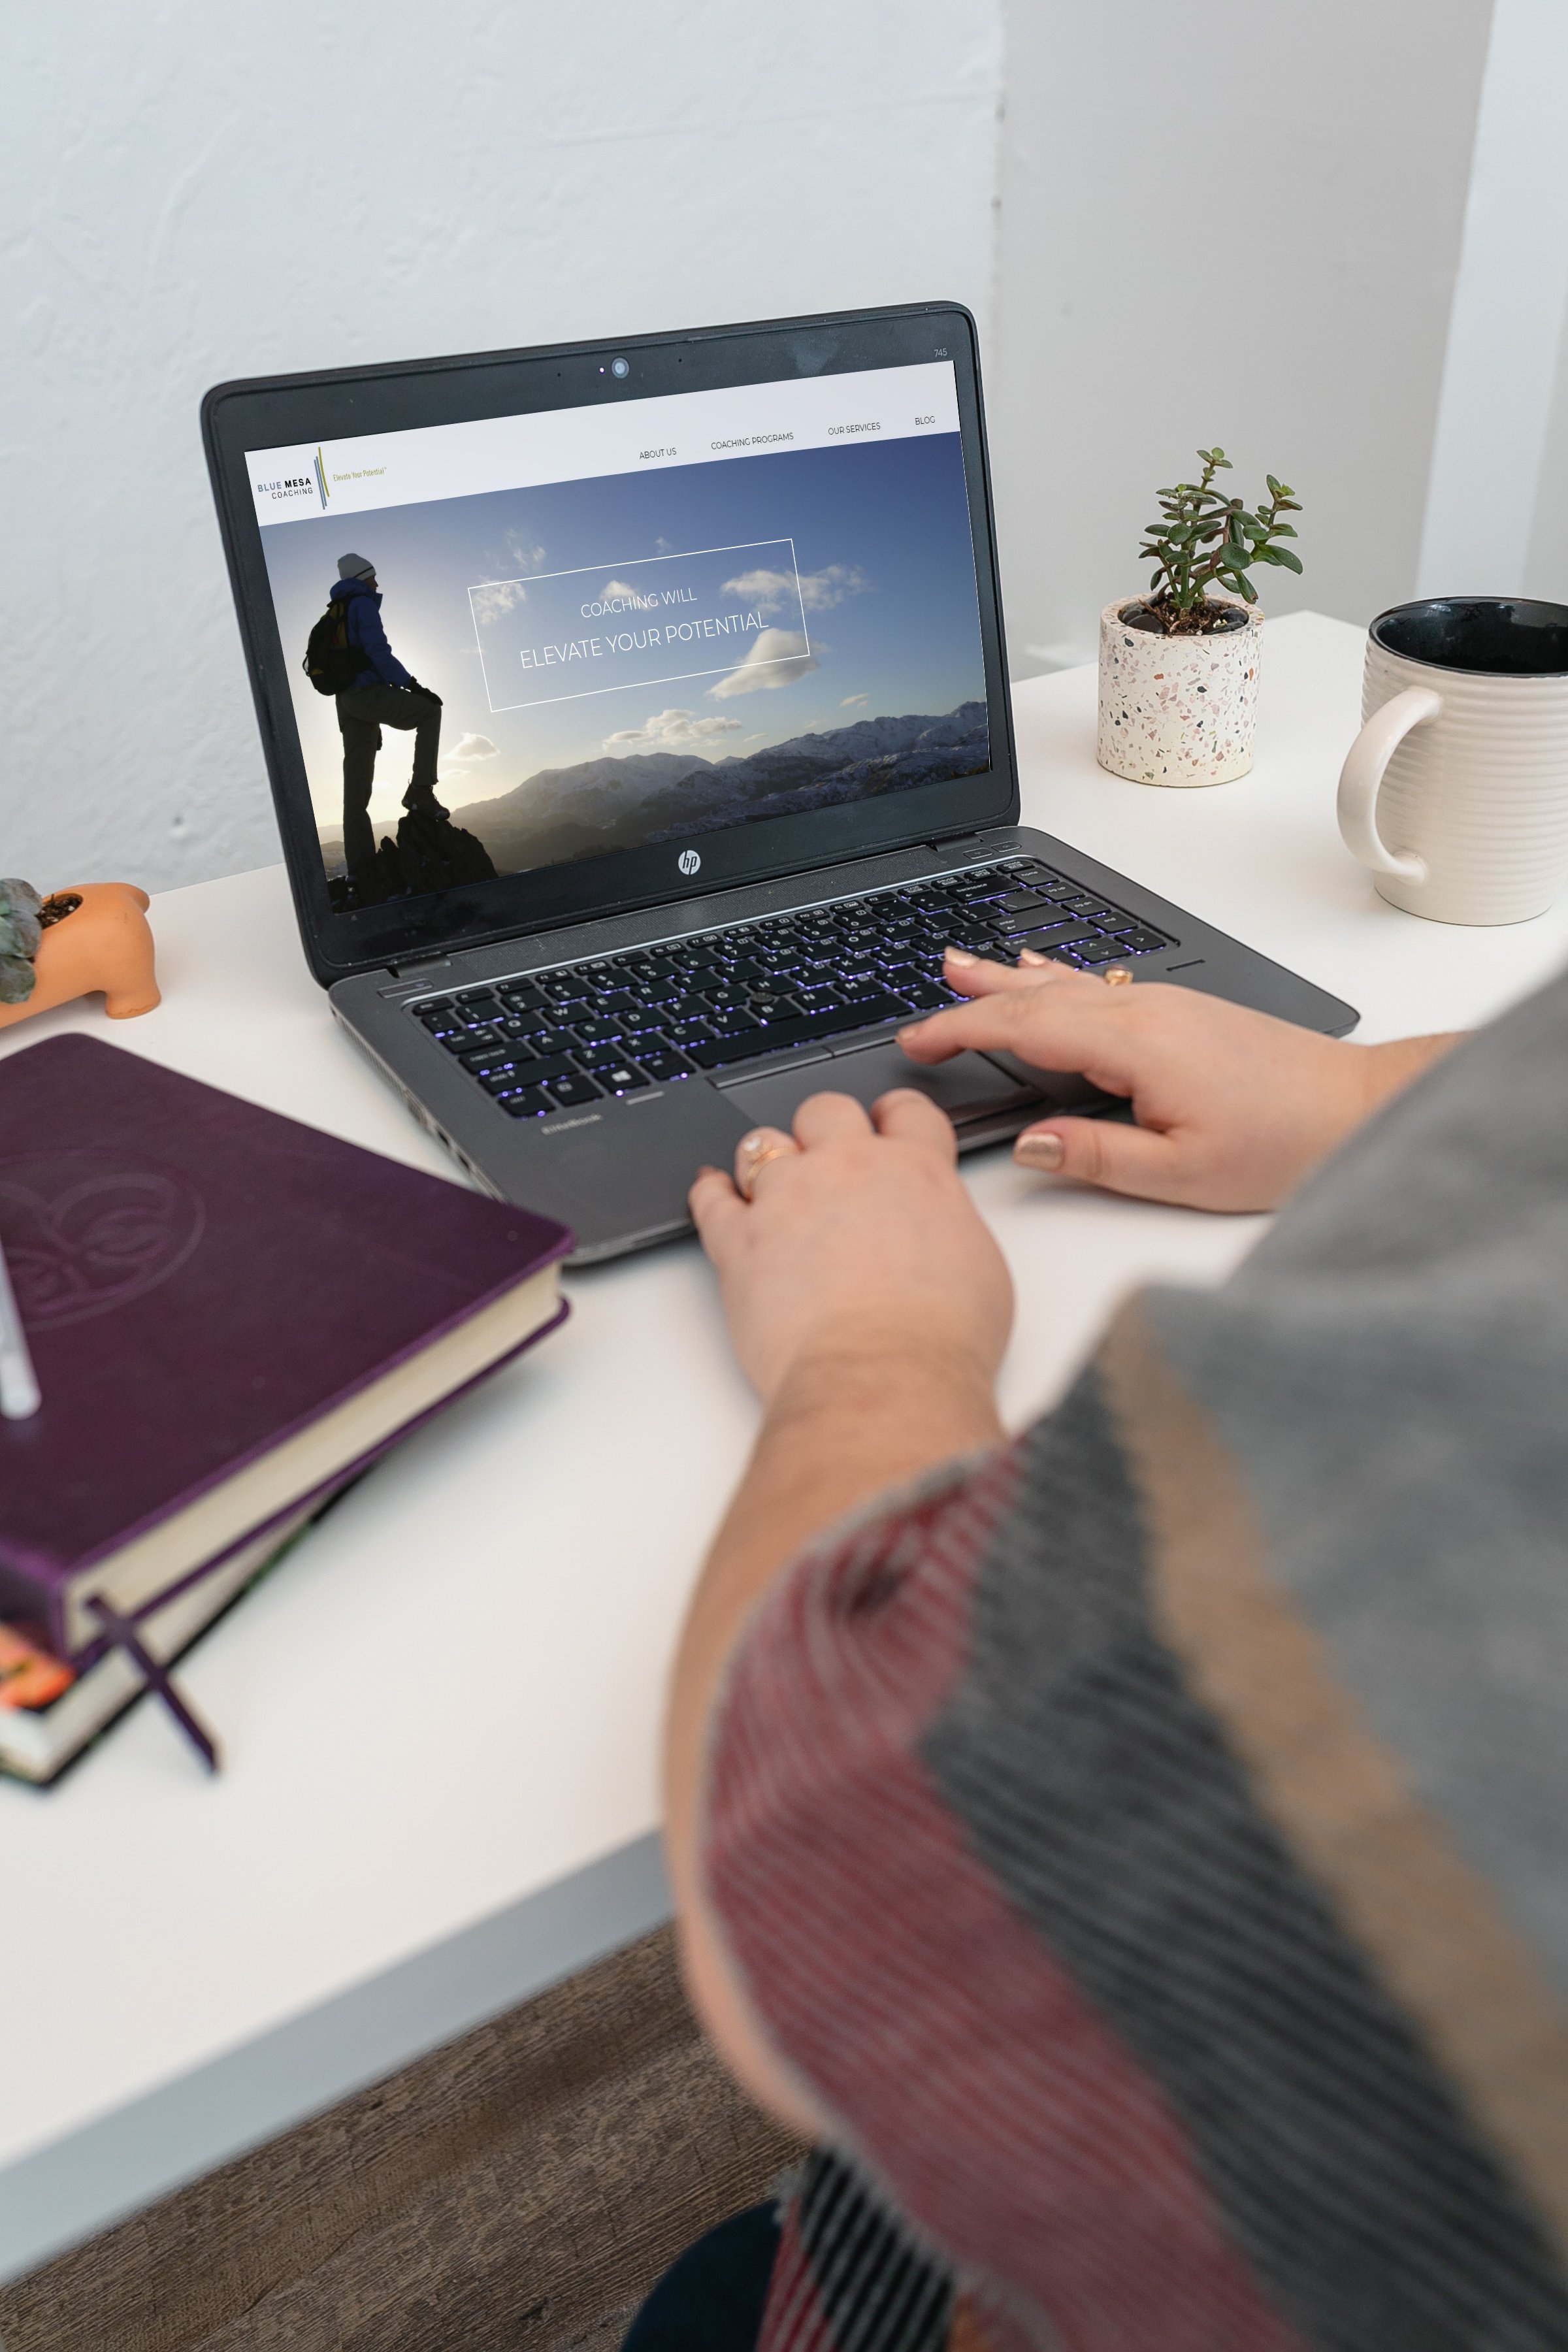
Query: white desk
column 440, row 1718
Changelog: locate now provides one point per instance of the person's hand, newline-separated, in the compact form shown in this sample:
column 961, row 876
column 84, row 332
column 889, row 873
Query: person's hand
column 1232, row 1107
column 427, row 691
column 859, row 1243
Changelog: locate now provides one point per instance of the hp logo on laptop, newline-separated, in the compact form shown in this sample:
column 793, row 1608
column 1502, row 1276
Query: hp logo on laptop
column 689, row 861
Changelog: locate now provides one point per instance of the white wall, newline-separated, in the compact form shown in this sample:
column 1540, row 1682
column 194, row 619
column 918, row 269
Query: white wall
column 1546, row 566
column 1505, row 326
column 195, row 193
column 1238, row 223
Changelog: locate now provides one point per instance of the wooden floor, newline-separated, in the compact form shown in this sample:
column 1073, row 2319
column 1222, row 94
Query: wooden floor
column 517, row 2191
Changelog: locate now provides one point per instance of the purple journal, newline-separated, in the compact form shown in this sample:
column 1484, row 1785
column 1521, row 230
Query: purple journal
column 227, row 1311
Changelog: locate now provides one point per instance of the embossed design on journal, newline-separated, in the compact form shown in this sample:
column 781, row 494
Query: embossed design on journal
column 86, row 1231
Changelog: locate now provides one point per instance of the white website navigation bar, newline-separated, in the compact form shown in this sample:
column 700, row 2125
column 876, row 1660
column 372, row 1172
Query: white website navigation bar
column 565, row 445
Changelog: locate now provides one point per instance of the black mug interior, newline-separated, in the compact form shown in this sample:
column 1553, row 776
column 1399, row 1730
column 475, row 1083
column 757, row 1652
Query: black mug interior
column 1505, row 636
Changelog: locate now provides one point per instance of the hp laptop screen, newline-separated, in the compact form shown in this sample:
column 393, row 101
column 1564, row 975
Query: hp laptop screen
column 625, row 624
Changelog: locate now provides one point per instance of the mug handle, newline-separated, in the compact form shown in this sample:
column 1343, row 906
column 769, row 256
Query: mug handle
column 1361, row 775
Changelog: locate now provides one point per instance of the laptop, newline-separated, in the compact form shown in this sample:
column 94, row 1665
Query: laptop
column 637, row 717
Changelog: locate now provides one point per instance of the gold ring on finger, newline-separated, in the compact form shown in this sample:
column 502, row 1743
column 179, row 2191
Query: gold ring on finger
column 757, row 1155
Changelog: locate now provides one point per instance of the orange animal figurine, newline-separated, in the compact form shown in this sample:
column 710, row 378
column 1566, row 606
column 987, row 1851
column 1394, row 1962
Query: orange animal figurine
column 75, row 944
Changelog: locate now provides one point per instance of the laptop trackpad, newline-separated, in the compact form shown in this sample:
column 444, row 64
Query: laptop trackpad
column 969, row 1087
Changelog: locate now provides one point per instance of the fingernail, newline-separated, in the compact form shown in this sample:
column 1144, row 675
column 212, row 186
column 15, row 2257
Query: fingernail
column 1028, row 955
column 913, row 1031
column 1044, row 1152
column 957, row 955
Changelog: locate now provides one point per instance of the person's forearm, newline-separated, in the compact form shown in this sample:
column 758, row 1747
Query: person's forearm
column 841, row 1430
column 1388, row 1069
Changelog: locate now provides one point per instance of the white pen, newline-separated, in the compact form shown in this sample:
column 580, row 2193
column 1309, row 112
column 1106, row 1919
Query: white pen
column 20, row 1395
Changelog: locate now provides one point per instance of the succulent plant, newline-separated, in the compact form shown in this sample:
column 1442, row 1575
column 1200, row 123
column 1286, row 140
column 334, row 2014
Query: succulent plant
column 1203, row 535
column 20, row 932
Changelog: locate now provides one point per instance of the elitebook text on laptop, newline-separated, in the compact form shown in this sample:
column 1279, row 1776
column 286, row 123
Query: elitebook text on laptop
column 637, row 720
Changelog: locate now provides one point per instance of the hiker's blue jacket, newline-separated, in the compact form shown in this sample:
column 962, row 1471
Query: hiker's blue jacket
column 364, row 630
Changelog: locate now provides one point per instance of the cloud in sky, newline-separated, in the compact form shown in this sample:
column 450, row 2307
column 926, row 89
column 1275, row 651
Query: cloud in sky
column 774, row 592
column 471, row 747
column 493, row 598
column 616, row 588
column 523, row 552
column 671, row 730
column 853, row 702
column 776, row 658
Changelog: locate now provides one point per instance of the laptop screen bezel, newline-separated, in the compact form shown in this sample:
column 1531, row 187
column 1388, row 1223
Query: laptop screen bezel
column 278, row 411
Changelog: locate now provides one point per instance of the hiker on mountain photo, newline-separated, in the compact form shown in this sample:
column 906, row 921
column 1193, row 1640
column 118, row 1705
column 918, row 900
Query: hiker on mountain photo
column 380, row 693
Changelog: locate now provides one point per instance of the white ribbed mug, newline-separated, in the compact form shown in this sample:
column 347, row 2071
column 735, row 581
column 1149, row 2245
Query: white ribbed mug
column 1456, row 791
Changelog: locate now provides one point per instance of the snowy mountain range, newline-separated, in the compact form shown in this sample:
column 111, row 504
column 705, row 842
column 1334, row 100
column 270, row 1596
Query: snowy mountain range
column 622, row 802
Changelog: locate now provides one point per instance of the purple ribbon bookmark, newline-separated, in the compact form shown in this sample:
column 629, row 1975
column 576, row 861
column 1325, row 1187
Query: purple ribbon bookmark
column 123, row 1631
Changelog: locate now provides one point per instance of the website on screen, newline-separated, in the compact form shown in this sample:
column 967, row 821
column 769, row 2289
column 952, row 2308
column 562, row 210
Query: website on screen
column 530, row 639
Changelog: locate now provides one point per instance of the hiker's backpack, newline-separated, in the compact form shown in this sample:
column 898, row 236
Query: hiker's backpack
column 332, row 661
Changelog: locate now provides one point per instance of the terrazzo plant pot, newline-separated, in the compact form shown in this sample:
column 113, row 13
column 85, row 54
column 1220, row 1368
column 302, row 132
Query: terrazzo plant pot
column 1177, row 710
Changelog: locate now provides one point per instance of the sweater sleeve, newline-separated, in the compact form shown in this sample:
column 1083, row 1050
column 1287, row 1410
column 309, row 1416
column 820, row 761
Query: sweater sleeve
column 1053, row 1855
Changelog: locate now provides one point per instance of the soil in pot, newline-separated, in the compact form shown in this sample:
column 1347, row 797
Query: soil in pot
column 1206, row 619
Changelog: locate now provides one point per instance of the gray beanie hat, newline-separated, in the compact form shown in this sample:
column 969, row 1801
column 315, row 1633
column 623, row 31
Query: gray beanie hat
column 355, row 567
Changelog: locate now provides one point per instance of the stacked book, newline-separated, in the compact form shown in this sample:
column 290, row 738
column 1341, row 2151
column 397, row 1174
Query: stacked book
column 229, row 1316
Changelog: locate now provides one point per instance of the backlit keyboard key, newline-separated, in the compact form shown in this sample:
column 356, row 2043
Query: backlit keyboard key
column 571, row 1091
column 931, row 1000
column 1058, row 935
column 871, row 1012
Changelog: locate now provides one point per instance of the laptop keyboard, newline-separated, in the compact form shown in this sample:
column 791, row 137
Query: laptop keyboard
column 552, row 1040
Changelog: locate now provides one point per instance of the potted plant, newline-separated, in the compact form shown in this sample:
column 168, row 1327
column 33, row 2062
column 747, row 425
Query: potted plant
column 1178, row 666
